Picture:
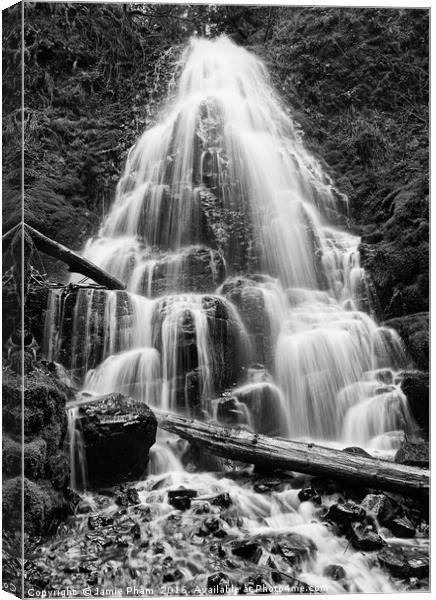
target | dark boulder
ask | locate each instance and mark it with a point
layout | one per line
(266, 407)
(181, 499)
(405, 561)
(414, 454)
(402, 527)
(414, 330)
(415, 384)
(379, 506)
(117, 435)
(345, 514)
(248, 551)
(364, 538)
(309, 494)
(231, 412)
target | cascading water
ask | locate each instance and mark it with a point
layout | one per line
(295, 295)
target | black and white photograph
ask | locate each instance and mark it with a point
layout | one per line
(215, 318)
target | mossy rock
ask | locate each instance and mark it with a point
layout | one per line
(415, 331)
(35, 458)
(43, 506)
(11, 457)
(45, 398)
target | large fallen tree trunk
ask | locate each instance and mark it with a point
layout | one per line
(278, 453)
(75, 262)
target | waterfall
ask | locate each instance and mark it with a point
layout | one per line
(226, 163)
(245, 302)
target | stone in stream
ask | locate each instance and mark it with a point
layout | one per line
(379, 506)
(248, 551)
(415, 454)
(415, 384)
(311, 494)
(295, 548)
(335, 572)
(127, 497)
(405, 561)
(117, 434)
(218, 583)
(402, 527)
(181, 499)
(364, 538)
(344, 514)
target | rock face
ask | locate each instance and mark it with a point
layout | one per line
(197, 269)
(46, 467)
(414, 454)
(414, 330)
(415, 385)
(202, 331)
(250, 302)
(117, 435)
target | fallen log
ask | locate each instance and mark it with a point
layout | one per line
(75, 262)
(278, 453)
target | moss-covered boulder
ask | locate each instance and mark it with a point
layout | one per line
(415, 332)
(117, 434)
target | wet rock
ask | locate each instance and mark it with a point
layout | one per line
(344, 514)
(118, 433)
(231, 412)
(181, 499)
(413, 453)
(196, 269)
(365, 538)
(218, 583)
(402, 527)
(295, 548)
(127, 497)
(414, 330)
(222, 500)
(415, 384)
(307, 494)
(227, 344)
(379, 506)
(96, 521)
(212, 526)
(266, 407)
(335, 572)
(245, 294)
(248, 551)
(267, 485)
(405, 561)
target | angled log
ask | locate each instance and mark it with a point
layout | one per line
(278, 453)
(75, 262)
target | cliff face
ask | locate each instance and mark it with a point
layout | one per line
(356, 80)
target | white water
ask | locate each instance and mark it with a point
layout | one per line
(227, 130)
